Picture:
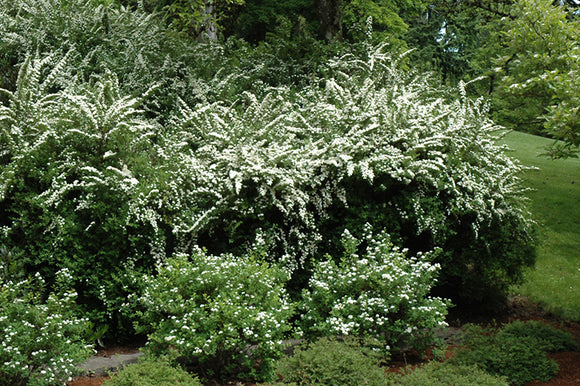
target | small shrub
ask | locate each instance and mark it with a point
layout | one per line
(152, 372)
(224, 314)
(332, 362)
(437, 373)
(41, 342)
(517, 351)
(383, 295)
(552, 339)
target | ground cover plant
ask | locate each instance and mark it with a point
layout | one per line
(517, 351)
(555, 279)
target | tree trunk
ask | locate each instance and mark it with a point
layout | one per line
(209, 29)
(330, 17)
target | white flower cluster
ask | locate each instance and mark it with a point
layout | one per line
(291, 153)
(283, 162)
(383, 295)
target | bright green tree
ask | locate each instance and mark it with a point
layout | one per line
(525, 51)
(539, 88)
(388, 18)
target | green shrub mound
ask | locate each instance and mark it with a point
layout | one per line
(329, 361)
(222, 314)
(447, 374)
(549, 338)
(518, 351)
(152, 372)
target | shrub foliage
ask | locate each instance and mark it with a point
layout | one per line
(332, 362)
(152, 372)
(72, 160)
(382, 295)
(225, 315)
(42, 342)
(448, 374)
(517, 352)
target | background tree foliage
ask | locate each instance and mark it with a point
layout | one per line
(539, 88)
(198, 19)
(454, 39)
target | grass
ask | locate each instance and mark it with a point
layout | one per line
(555, 204)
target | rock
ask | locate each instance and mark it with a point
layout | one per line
(101, 365)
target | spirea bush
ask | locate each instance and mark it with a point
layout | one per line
(225, 314)
(41, 342)
(135, 45)
(367, 143)
(71, 160)
(100, 37)
(383, 295)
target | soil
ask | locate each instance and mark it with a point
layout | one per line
(518, 308)
(98, 379)
(88, 381)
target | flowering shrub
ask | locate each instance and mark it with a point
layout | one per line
(369, 143)
(41, 343)
(226, 314)
(100, 37)
(105, 176)
(382, 295)
(72, 162)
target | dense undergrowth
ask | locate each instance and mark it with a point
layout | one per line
(124, 150)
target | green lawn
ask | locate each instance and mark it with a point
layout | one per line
(555, 203)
